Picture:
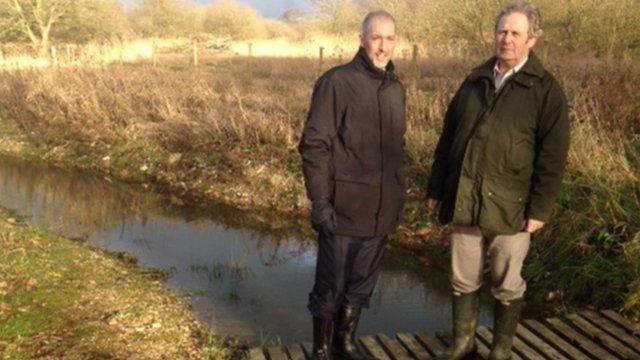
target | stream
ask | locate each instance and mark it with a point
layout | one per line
(243, 282)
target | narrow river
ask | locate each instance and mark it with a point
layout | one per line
(240, 281)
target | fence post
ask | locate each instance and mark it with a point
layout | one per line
(67, 48)
(249, 52)
(195, 54)
(414, 57)
(54, 55)
(154, 57)
(320, 59)
(414, 61)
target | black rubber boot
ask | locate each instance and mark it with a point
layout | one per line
(344, 341)
(465, 321)
(322, 329)
(505, 323)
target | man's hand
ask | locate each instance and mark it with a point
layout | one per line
(532, 225)
(432, 205)
(323, 217)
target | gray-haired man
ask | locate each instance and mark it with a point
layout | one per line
(352, 149)
(498, 168)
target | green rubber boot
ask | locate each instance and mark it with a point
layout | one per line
(505, 323)
(465, 321)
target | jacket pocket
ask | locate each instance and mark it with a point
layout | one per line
(355, 198)
(521, 153)
(502, 207)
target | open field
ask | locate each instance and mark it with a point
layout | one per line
(228, 131)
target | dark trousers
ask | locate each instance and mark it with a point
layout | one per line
(347, 270)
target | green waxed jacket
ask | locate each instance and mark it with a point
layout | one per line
(501, 156)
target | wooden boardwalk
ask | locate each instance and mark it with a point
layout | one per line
(586, 335)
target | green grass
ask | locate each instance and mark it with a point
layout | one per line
(61, 299)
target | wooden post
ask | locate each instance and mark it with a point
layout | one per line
(54, 55)
(414, 61)
(320, 58)
(195, 54)
(249, 52)
(154, 57)
(67, 48)
(414, 57)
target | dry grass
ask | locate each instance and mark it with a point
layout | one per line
(62, 300)
(235, 124)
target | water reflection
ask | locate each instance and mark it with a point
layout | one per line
(243, 282)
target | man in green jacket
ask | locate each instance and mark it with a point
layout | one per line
(497, 169)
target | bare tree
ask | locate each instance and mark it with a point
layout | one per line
(35, 18)
(338, 16)
(165, 18)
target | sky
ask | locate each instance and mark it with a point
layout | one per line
(270, 9)
(273, 8)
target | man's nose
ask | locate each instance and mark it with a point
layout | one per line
(384, 45)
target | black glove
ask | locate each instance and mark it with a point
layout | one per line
(323, 217)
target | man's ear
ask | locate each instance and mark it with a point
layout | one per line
(362, 40)
(531, 42)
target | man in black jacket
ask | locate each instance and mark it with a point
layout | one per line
(352, 150)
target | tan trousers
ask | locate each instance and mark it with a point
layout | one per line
(469, 248)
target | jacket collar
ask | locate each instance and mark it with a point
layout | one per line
(532, 67)
(363, 63)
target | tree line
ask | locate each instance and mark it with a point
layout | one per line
(605, 26)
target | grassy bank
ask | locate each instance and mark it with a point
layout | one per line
(63, 299)
(228, 131)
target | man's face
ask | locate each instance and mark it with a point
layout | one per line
(512, 41)
(379, 41)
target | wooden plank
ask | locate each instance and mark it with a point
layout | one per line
(393, 348)
(276, 353)
(257, 354)
(373, 348)
(555, 340)
(608, 326)
(602, 338)
(487, 336)
(620, 320)
(308, 349)
(538, 344)
(525, 351)
(432, 345)
(295, 352)
(571, 335)
(483, 349)
(411, 344)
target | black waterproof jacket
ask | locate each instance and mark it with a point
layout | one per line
(352, 146)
